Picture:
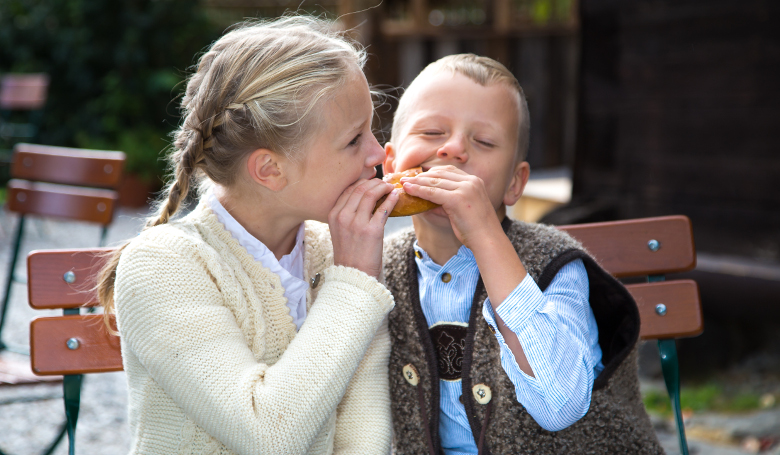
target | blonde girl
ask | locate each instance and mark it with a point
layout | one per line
(245, 328)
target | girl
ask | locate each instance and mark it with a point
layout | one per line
(243, 329)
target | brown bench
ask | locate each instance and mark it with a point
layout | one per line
(75, 344)
(651, 248)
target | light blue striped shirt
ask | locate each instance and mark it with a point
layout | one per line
(556, 329)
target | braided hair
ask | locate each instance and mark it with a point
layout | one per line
(258, 86)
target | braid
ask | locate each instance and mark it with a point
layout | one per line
(258, 86)
(187, 159)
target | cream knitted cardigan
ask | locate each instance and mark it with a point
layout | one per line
(214, 364)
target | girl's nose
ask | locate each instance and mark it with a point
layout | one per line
(376, 153)
(454, 149)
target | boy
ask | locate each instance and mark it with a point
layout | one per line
(506, 337)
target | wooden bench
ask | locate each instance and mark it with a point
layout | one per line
(57, 182)
(76, 344)
(651, 248)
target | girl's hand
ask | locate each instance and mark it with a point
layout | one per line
(463, 198)
(356, 230)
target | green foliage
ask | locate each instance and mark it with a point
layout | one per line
(115, 67)
(706, 397)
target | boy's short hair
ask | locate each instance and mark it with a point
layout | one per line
(482, 70)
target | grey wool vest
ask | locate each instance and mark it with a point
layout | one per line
(616, 422)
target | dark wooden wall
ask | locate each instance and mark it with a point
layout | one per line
(679, 112)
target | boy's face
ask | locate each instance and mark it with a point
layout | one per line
(452, 120)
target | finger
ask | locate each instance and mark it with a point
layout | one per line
(382, 212)
(343, 199)
(353, 202)
(430, 193)
(435, 181)
(440, 172)
(370, 198)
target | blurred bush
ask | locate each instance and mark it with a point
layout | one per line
(115, 66)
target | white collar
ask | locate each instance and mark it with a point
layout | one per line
(289, 267)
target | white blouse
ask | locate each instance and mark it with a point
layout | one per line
(289, 267)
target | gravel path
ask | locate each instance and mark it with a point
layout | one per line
(31, 415)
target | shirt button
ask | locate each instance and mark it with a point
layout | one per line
(418, 254)
(446, 277)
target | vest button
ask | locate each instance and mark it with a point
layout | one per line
(482, 393)
(418, 254)
(492, 329)
(446, 277)
(411, 375)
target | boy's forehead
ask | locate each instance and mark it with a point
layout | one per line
(445, 87)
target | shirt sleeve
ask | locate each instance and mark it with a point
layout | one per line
(558, 333)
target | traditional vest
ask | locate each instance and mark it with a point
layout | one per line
(616, 422)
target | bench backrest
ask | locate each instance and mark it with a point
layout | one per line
(65, 182)
(652, 248)
(66, 279)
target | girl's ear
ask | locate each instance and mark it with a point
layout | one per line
(266, 168)
(517, 183)
(388, 165)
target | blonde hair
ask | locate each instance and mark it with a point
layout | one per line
(482, 70)
(258, 86)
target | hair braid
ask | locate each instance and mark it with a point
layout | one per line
(257, 86)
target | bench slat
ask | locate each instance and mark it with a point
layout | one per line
(46, 199)
(98, 351)
(683, 310)
(68, 166)
(46, 286)
(621, 247)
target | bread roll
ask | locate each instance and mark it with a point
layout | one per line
(407, 204)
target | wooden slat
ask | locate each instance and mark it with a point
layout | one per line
(98, 351)
(68, 165)
(46, 199)
(23, 91)
(621, 247)
(46, 286)
(683, 316)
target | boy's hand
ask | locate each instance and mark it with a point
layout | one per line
(463, 198)
(356, 230)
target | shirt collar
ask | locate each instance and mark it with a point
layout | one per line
(255, 247)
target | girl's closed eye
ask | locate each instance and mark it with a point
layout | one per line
(355, 140)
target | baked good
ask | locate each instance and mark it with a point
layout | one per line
(407, 204)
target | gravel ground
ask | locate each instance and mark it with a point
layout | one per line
(30, 416)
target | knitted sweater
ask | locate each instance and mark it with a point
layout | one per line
(615, 423)
(213, 361)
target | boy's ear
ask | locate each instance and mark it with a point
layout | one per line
(517, 184)
(266, 168)
(388, 166)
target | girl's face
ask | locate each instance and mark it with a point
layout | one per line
(342, 150)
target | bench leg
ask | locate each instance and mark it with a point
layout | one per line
(670, 367)
(10, 281)
(71, 385)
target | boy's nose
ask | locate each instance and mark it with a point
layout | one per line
(454, 149)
